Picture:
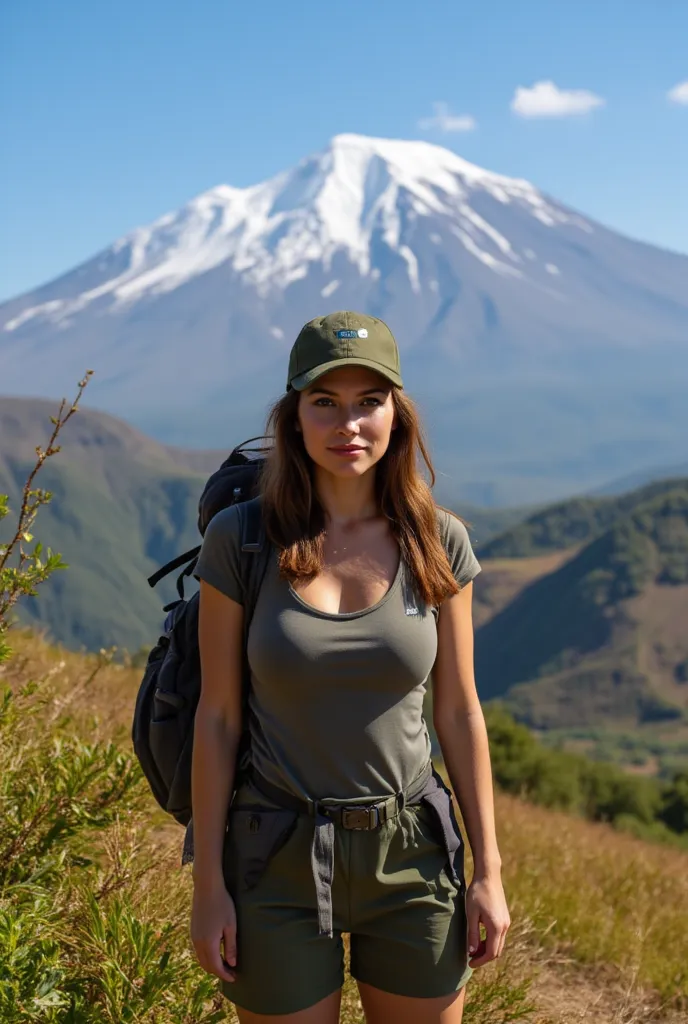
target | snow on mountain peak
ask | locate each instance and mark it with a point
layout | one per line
(416, 160)
(332, 201)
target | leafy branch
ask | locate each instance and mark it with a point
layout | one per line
(31, 566)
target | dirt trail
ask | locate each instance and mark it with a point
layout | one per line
(567, 993)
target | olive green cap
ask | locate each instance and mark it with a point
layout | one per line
(343, 339)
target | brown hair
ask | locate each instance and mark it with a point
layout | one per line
(295, 519)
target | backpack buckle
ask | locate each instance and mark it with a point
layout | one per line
(360, 818)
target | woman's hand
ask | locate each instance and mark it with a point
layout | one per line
(486, 904)
(213, 930)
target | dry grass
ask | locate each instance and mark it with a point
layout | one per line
(600, 919)
(94, 690)
(600, 898)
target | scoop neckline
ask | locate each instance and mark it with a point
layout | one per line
(361, 611)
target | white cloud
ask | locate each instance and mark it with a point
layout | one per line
(679, 94)
(545, 99)
(446, 121)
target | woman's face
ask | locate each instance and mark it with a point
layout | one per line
(346, 418)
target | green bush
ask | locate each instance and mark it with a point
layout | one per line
(674, 810)
(84, 937)
(32, 969)
(55, 791)
(595, 789)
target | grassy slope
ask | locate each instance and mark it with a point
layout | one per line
(593, 911)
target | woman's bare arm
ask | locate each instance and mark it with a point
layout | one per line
(460, 726)
(217, 730)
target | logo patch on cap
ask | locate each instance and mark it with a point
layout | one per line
(362, 333)
(348, 334)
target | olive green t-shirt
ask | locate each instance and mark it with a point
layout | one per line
(336, 699)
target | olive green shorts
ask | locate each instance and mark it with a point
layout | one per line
(392, 891)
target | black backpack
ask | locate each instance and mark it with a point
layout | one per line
(162, 730)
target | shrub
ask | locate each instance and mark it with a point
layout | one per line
(674, 809)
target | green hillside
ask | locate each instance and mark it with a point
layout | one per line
(112, 538)
(570, 523)
(122, 505)
(571, 649)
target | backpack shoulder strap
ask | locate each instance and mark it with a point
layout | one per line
(255, 553)
(252, 530)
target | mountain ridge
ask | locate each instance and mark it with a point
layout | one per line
(25, 423)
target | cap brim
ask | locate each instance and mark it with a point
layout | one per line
(303, 380)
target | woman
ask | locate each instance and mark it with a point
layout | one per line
(341, 824)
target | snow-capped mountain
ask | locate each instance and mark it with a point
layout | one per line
(504, 302)
(336, 202)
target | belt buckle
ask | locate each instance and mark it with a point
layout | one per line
(360, 818)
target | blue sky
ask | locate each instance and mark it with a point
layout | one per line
(115, 113)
